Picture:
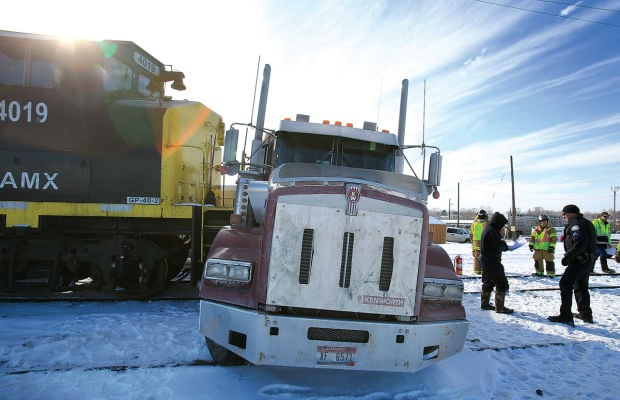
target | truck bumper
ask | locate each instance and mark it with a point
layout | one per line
(298, 341)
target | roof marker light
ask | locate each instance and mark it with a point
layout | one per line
(349, 125)
(325, 122)
(338, 123)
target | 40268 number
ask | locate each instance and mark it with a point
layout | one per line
(14, 111)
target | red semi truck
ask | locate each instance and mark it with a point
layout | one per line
(327, 261)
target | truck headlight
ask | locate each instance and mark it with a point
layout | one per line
(443, 289)
(228, 270)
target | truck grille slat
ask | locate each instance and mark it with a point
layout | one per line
(387, 264)
(307, 250)
(347, 258)
(338, 335)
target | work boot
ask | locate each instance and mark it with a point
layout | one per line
(551, 269)
(584, 317)
(485, 299)
(539, 269)
(609, 271)
(499, 304)
(477, 269)
(563, 319)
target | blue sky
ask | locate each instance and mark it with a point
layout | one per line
(500, 81)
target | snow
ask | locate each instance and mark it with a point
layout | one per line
(147, 350)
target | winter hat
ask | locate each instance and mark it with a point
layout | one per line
(498, 220)
(571, 208)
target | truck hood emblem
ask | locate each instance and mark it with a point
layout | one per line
(352, 195)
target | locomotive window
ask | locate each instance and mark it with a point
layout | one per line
(42, 68)
(12, 65)
(119, 76)
(143, 81)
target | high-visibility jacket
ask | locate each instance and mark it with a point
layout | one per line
(475, 233)
(602, 232)
(476, 228)
(543, 238)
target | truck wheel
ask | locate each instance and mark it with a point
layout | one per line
(222, 355)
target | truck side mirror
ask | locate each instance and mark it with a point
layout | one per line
(230, 145)
(434, 170)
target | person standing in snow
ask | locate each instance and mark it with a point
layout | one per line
(475, 233)
(579, 259)
(603, 240)
(493, 275)
(542, 244)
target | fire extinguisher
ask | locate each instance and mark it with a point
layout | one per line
(458, 265)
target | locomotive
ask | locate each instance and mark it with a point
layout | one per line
(327, 261)
(100, 170)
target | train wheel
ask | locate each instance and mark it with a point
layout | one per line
(176, 249)
(158, 277)
(4, 275)
(222, 355)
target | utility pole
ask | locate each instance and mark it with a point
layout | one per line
(458, 204)
(513, 228)
(449, 211)
(613, 221)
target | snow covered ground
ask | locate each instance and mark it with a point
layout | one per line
(148, 350)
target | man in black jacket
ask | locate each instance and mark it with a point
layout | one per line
(579, 258)
(493, 274)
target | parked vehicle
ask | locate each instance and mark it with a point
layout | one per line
(327, 262)
(459, 235)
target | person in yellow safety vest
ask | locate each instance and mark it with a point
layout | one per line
(603, 240)
(617, 257)
(475, 235)
(542, 244)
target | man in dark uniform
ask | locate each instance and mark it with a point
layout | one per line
(579, 259)
(493, 275)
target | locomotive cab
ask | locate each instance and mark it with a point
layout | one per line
(98, 165)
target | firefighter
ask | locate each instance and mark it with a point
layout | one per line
(542, 244)
(579, 258)
(603, 240)
(475, 235)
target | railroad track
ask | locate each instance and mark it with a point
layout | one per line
(469, 277)
(112, 368)
(547, 289)
(183, 290)
(175, 290)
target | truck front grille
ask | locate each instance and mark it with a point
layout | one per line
(387, 264)
(338, 335)
(307, 250)
(347, 259)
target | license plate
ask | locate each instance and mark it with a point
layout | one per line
(333, 355)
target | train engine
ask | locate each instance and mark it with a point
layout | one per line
(98, 165)
(327, 261)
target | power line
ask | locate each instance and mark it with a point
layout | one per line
(579, 5)
(551, 14)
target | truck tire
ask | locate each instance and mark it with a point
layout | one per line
(222, 355)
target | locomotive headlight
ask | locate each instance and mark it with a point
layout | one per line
(228, 270)
(443, 289)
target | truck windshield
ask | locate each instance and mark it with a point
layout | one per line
(329, 150)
